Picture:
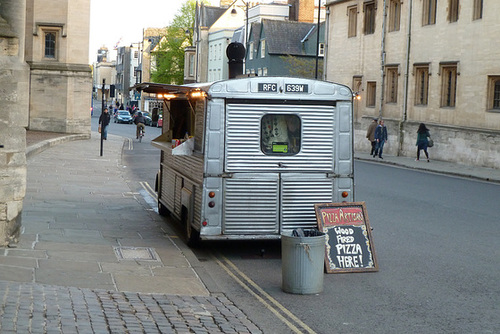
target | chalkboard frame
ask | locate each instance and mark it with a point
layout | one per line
(327, 228)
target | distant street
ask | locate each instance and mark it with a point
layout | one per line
(142, 158)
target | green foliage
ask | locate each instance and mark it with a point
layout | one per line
(170, 52)
(303, 67)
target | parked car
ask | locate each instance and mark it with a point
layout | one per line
(123, 116)
(147, 116)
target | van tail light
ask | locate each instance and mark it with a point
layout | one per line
(345, 194)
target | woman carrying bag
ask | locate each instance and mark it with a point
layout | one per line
(423, 141)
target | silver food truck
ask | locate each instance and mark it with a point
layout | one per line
(248, 158)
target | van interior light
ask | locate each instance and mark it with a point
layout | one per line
(198, 94)
(166, 96)
(169, 96)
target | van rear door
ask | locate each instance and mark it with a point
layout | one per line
(276, 174)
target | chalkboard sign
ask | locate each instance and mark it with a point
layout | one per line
(349, 243)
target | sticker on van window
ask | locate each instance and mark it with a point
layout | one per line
(280, 147)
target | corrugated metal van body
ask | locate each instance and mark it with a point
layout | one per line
(262, 194)
(243, 149)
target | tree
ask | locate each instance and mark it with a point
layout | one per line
(169, 54)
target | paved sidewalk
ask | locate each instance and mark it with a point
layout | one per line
(436, 166)
(94, 257)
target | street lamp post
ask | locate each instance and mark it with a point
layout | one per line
(245, 36)
(102, 111)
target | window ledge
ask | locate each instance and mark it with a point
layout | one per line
(62, 26)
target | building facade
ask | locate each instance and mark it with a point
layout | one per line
(103, 70)
(421, 61)
(56, 49)
(216, 27)
(127, 74)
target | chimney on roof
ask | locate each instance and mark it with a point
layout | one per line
(225, 3)
(302, 10)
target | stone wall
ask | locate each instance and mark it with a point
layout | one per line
(60, 96)
(14, 83)
(468, 146)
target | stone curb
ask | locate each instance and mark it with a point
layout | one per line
(433, 169)
(45, 144)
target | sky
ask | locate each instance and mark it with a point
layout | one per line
(113, 21)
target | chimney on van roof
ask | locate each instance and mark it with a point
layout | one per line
(236, 53)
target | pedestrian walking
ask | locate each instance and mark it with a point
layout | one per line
(380, 138)
(104, 120)
(423, 136)
(370, 135)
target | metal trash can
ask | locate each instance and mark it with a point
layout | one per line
(302, 261)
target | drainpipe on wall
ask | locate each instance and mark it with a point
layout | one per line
(382, 62)
(404, 115)
(325, 56)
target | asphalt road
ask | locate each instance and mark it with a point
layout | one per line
(437, 243)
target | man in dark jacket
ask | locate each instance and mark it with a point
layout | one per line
(380, 138)
(370, 135)
(139, 121)
(104, 122)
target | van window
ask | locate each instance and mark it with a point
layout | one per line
(280, 134)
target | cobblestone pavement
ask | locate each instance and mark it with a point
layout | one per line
(36, 308)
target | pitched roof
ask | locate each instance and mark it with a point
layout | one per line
(285, 37)
(209, 14)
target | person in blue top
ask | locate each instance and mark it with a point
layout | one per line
(380, 139)
(422, 141)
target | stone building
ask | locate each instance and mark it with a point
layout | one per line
(14, 106)
(56, 49)
(103, 69)
(46, 85)
(127, 75)
(421, 61)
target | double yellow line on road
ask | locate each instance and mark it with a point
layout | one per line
(149, 189)
(281, 312)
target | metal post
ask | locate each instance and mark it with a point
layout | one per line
(317, 39)
(102, 112)
(246, 36)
